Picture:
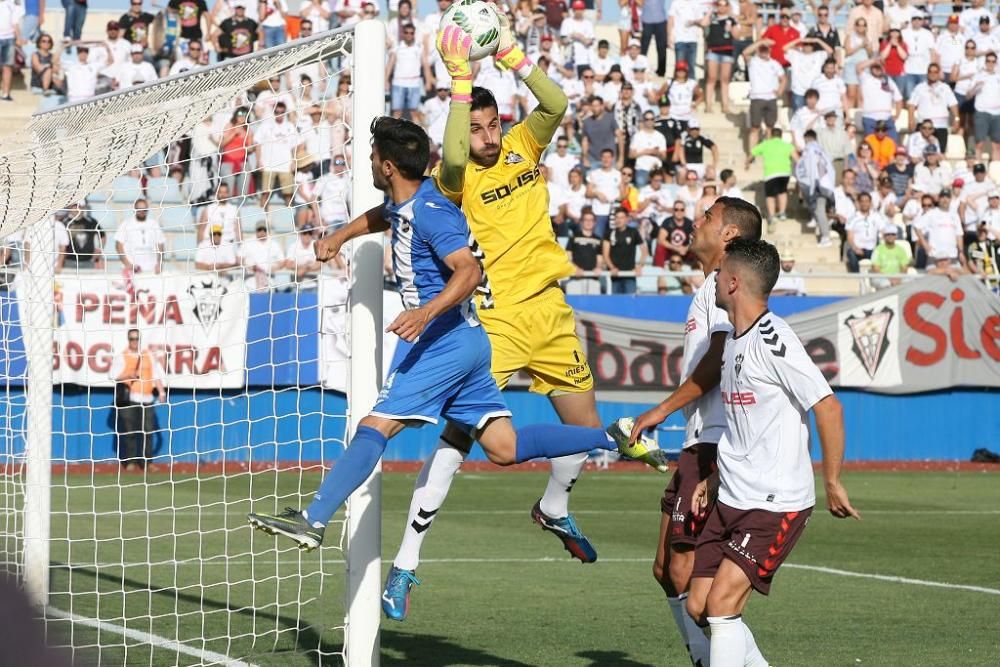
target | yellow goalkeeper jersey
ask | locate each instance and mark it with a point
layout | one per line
(507, 206)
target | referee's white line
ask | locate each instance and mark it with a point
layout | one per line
(566, 561)
(208, 657)
(893, 579)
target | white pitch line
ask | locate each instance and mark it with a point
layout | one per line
(488, 561)
(208, 657)
(893, 579)
(162, 513)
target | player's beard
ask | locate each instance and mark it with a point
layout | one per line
(487, 157)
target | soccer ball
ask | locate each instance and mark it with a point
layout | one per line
(478, 19)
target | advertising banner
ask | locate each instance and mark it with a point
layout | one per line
(922, 335)
(195, 326)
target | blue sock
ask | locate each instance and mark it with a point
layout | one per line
(348, 473)
(551, 441)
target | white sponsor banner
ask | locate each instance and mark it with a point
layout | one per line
(195, 326)
(335, 339)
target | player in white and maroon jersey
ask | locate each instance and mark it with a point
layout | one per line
(766, 489)
(705, 334)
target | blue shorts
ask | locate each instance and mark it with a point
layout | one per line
(7, 51)
(405, 98)
(449, 376)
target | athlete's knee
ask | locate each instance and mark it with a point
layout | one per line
(681, 565)
(696, 608)
(502, 454)
(723, 600)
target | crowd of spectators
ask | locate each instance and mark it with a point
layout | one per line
(631, 168)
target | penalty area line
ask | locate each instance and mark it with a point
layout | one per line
(208, 657)
(893, 579)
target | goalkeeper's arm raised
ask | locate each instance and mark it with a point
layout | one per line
(454, 45)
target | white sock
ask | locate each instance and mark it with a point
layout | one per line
(431, 489)
(565, 471)
(698, 644)
(729, 647)
(754, 657)
(677, 608)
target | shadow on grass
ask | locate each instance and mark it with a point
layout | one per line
(605, 658)
(308, 641)
(434, 651)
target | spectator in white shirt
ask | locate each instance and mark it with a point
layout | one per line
(276, 141)
(214, 254)
(933, 100)
(190, 60)
(136, 72)
(767, 84)
(920, 45)
(316, 134)
(115, 52)
(986, 88)
(263, 257)
(862, 232)
(81, 76)
(919, 143)
(949, 45)
(684, 29)
(932, 176)
(881, 100)
(601, 61)
(831, 88)
(984, 38)
(648, 148)
(807, 118)
(435, 113)
(140, 242)
(807, 56)
(402, 75)
(970, 16)
(559, 163)
(302, 258)
(579, 32)
(603, 189)
(633, 60)
(223, 214)
(787, 284)
(332, 196)
(10, 38)
(939, 233)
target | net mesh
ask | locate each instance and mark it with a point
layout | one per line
(184, 210)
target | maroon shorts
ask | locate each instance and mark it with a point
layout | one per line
(695, 464)
(756, 540)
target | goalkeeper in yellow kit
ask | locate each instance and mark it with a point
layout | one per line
(495, 178)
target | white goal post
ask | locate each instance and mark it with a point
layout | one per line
(64, 156)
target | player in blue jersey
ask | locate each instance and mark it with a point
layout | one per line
(447, 371)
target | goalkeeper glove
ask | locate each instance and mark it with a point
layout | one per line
(454, 45)
(509, 55)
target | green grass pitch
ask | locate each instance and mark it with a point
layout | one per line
(498, 591)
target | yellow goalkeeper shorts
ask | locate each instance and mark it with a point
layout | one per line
(539, 337)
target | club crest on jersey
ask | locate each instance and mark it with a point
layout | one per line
(512, 158)
(739, 365)
(869, 333)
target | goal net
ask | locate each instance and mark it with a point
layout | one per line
(172, 357)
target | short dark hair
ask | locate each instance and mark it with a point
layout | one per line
(743, 215)
(812, 92)
(760, 257)
(809, 134)
(725, 175)
(776, 132)
(483, 99)
(403, 143)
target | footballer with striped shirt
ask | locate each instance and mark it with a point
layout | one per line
(766, 489)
